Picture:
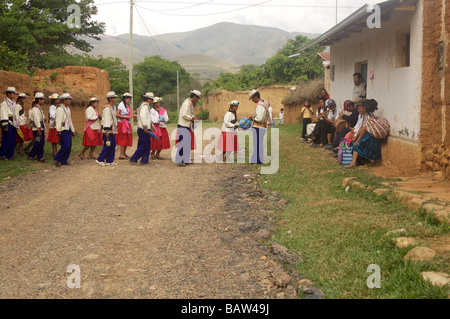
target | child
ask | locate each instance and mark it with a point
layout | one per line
(281, 117)
(307, 114)
(228, 141)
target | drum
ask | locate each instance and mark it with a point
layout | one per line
(245, 124)
(340, 123)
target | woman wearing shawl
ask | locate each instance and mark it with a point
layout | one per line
(228, 141)
(124, 133)
(159, 119)
(92, 136)
(52, 134)
(9, 125)
(65, 130)
(365, 145)
(37, 123)
(109, 128)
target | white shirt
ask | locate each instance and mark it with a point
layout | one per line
(8, 111)
(37, 118)
(52, 116)
(186, 114)
(91, 115)
(109, 120)
(155, 118)
(63, 119)
(227, 126)
(21, 118)
(332, 116)
(123, 111)
(144, 118)
(359, 124)
(281, 116)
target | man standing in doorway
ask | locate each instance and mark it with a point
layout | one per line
(359, 90)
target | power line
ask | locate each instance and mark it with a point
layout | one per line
(245, 4)
(151, 36)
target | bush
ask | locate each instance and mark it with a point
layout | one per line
(204, 114)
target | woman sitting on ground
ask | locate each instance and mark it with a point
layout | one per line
(365, 145)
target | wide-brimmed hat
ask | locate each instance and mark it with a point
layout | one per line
(111, 95)
(252, 94)
(157, 99)
(197, 93)
(66, 96)
(149, 95)
(23, 95)
(39, 95)
(11, 89)
(127, 95)
(54, 96)
(234, 102)
(93, 99)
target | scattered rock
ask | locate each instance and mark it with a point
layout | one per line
(278, 249)
(436, 278)
(246, 227)
(346, 181)
(420, 254)
(262, 234)
(272, 199)
(275, 194)
(381, 191)
(403, 242)
(305, 283)
(442, 216)
(281, 279)
(311, 292)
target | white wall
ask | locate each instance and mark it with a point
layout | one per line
(397, 90)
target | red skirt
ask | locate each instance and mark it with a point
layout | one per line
(228, 142)
(92, 139)
(27, 134)
(52, 136)
(193, 143)
(163, 144)
(123, 139)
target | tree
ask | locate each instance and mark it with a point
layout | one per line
(12, 61)
(39, 29)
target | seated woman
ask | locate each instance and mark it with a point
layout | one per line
(365, 145)
(325, 125)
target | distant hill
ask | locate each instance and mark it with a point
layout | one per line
(208, 51)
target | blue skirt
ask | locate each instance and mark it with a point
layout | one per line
(369, 148)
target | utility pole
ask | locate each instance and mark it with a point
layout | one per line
(131, 58)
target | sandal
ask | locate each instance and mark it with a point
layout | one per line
(159, 158)
(58, 164)
(127, 157)
(81, 156)
(90, 157)
(43, 160)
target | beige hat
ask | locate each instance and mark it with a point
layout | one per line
(54, 96)
(111, 95)
(66, 96)
(93, 99)
(157, 99)
(23, 95)
(198, 93)
(11, 89)
(127, 95)
(39, 95)
(149, 95)
(252, 94)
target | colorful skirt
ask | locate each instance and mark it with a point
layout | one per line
(27, 134)
(162, 144)
(52, 136)
(123, 139)
(228, 142)
(369, 148)
(95, 138)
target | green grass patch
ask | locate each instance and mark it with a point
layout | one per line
(340, 234)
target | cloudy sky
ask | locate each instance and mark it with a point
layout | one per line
(167, 16)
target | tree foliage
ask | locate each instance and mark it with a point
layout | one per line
(278, 69)
(39, 29)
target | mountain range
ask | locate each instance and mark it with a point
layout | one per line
(207, 51)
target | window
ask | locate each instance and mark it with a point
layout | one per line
(403, 50)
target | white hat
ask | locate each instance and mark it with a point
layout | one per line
(252, 94)
(127, 95)
(198, 93)
(93, 99)
(22, 95)
(234, 102)
(39, 95)
(149, 95)
(66, 96)
(157, 99)
(111, 95)
(54, 96)
(11, 89)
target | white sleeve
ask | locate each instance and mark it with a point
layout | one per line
(260, 114)
(154, 116)
(52, 112)
(90, 114)
(227, 120)
(59, 119)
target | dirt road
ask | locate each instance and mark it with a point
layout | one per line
(158, 231)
